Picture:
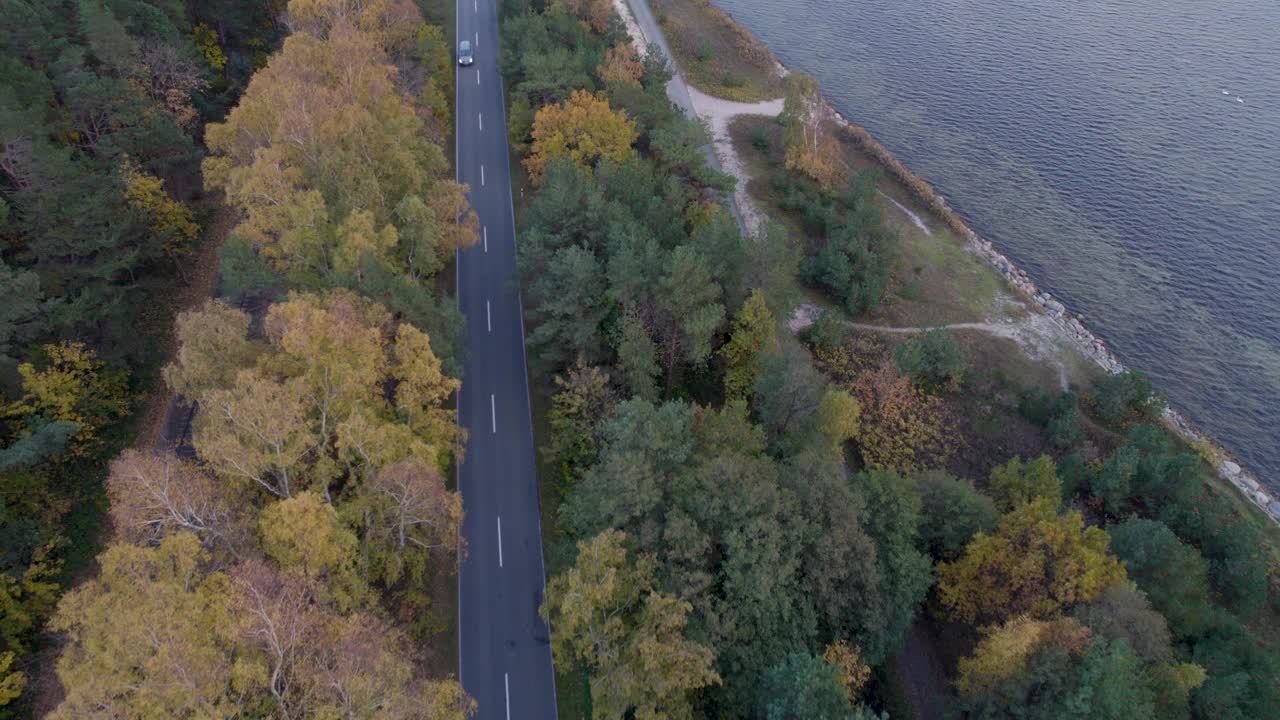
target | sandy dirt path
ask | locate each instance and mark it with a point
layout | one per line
(717, 113)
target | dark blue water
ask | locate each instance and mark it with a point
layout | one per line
(1126, 153)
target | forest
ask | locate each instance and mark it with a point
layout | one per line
(282, 559)
(746, 521)
(246, 206)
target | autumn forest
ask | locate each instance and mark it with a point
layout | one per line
(230, 354)
(279, 558)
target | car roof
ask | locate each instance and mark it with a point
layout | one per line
(465, 45)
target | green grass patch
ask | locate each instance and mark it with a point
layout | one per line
(558, 550)
(936, 281)
(716, 54)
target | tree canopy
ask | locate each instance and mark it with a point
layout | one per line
(285, 570)
(606, 614)
(583, 129)
(1036, 562)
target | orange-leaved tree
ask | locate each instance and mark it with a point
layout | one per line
(595, 13)
(903, 428)
(621, 65)
(582, 128)
(847, 661)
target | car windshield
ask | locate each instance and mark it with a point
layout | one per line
(465, 48)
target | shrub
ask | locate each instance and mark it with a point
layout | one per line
(933, 360)
(1059, 415)
(760, 139)
(903, 428)
(828, 332)
(1127, 397)
(953, 511)
(1015, 483)
(1064, 424)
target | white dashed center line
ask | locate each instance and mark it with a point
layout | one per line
(499, 541)
(482, 175)
(481, 118)
(506, 687)
(493, 413)
(485, 229)
(488, 318)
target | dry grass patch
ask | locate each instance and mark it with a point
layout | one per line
(716, 54)
(936, 281)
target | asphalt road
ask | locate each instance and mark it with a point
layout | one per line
(504, 648)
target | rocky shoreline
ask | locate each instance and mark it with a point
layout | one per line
(1071, 325)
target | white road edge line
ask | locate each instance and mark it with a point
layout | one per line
(493, 413)
(506, 687)
(457, 275)
(528, 399)
(488, 317)
(499, 541)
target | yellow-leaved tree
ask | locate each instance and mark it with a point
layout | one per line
(839, 415)
(810, 147)
(213, 346)
(1036, 563)
(158, 635)
(329, 163)
(338, 390)
(606, 615)
(1006, 649)
(852, 672)
(72, 387)
(754, 333)
(170, 221)
(583, 129)
(206, 41)
(173, 657)
(303, 534)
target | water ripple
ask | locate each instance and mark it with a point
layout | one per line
(1093, 142)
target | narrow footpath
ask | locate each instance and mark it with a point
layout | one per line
(717, 113)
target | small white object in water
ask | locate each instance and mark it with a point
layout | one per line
(1224, 92)
(1239, 99)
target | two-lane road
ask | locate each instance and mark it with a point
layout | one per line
(504, 648)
